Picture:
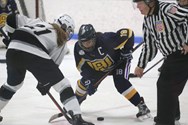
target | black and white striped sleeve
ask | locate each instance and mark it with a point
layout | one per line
(180, 15)
(149, 49)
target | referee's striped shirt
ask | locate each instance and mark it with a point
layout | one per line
(165, 30)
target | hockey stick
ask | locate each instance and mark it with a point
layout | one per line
(23, 8)
(55, 116)
(118, 63)
(133, 75)
(6, 38)
(153, 65)
(63, 111)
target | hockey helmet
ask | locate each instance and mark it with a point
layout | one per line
(66, 23)
(146, 1)
(87, 37)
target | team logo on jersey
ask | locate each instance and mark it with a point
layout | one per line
(104, 64)
(81, 52)
(160, 26)
(3, 18)
(173, 10)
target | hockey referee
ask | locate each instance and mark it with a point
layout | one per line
(165, 29)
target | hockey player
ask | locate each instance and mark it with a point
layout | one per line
(163, 25)
(40, 51)
(96, 54)
(6, 7)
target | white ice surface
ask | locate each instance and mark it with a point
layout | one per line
(28, 107)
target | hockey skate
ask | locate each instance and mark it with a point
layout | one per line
(143, 111)
(77, 120)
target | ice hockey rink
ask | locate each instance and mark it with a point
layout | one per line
(28, 107)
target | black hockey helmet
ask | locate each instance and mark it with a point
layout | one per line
(87, 34)
(149, 3)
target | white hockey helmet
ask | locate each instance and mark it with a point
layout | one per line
(66, 23)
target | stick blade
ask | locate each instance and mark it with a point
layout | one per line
(55, 116)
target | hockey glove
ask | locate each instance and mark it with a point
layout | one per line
(126, 55)
(90, 87)
(6, 42)
(43, 89)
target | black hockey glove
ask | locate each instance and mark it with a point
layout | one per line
(126, 55)
(43, 89)
(90, 87)
(6, 42)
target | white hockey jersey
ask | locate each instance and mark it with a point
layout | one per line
(21, 20)
(45, 33)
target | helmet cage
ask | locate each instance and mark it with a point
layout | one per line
(68, 29)
(67, 24)
(87, 34)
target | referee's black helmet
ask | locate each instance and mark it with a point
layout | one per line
(146, 1)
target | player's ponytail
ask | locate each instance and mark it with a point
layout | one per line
(61, 35)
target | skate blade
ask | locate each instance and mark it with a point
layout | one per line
(145, 117)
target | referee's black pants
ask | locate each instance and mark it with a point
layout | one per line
(170, 84)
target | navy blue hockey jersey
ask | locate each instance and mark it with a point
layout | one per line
(106, 53)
